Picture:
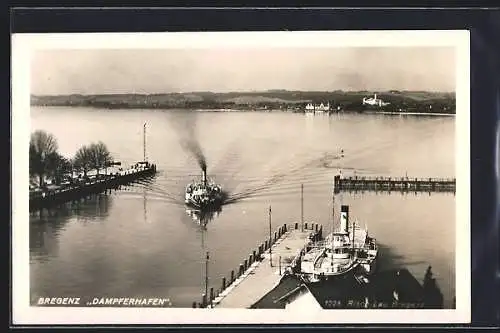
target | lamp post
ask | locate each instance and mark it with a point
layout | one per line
(270, 254)
(302, 207)
(206, 277)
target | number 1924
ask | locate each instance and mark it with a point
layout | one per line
(333, 303)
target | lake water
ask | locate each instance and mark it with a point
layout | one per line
(139, 241)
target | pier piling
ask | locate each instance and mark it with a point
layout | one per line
(394, 184)
(223, 283)
(232, 276)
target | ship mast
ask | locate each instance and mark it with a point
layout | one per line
(144, 142)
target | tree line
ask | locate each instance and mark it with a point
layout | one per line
(349, 101)
(45, 161)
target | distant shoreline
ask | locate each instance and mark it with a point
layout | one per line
(411, 113)
(396, 102)
(371, 112)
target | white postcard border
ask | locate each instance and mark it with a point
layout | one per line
(24, 44)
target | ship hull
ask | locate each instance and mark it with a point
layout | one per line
(346, 272)
(211, 205)
(207, 202)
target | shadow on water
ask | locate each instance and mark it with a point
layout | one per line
(46, 224)
(388, 259)
(432, 295)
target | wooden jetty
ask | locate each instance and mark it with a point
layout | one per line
(69, 193)
(263, 269)
(357, 183)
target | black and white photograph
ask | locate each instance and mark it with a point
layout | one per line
(253, 177)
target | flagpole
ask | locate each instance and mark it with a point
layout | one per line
(302, 207)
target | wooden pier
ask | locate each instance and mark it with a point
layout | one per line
(405, 184)
(69, 193)
(261, 281)
(263, 269)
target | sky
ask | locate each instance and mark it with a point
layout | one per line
(105, 71)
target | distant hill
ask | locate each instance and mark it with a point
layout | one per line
(246, 100)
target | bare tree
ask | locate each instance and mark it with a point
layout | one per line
(100, 156)
(42, 146)
(83, 159)
(58, 167)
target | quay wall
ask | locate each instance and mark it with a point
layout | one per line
(72, 193)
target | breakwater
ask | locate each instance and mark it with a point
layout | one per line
(69, 193)
(356, 183)
(263, 268)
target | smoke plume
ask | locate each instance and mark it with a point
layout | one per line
(185, 123)
(193, 146)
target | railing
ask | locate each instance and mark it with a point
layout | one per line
(392, 179)
(394, 183)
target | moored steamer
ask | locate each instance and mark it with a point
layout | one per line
(347, 251)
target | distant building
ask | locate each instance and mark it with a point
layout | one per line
(318, 108)
(374, 101)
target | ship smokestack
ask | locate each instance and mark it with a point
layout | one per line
(344, 218)
(204, 176)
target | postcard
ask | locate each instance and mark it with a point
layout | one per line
(241, 178)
